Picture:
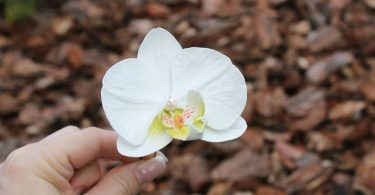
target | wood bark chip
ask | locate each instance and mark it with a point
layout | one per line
(368, 90)
(325, 38)
(320, 70)
(266, 30)
(309, 178)
(349, 109)
(370, 3)
(242, 165)
(221, 188)
(191, 168)
(365, 175)
(268, 190)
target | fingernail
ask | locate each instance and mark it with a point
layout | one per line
(152, 168)
(158, 153)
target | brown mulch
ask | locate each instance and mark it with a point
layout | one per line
(309, 66)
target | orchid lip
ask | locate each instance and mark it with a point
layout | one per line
(171, 105)
(183, 123)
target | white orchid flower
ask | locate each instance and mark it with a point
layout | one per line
(168, 92)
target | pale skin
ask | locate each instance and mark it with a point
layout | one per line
(69, 161)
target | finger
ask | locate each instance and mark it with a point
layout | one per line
(128, 179)
(77, 149)
(63, 131)
(85, 177)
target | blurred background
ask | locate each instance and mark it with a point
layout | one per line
(309, 67)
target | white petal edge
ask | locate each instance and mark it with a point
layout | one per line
(132, 97)
(156, 50)
(213, 75)
(151, 145)
(233, 132)
(158, 44)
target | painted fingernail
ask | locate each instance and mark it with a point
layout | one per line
(152, 168)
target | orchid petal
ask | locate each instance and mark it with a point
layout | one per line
(151, 145)
(158, 44)
(233, 132)
(132, 97)
(156, 50)
(219, 82)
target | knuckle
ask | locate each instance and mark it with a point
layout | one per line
(20, 159)
(72, 128)
(18, 154)
(96, 133)
(94, 130)
(125, 185)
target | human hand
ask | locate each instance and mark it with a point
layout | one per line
(68, 162)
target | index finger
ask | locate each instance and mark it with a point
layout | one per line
(79, 148)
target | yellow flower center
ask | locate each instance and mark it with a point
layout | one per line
(178, 122)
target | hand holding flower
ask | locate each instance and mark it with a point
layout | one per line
(69, 162)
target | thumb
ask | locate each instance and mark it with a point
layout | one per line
(128, 179)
